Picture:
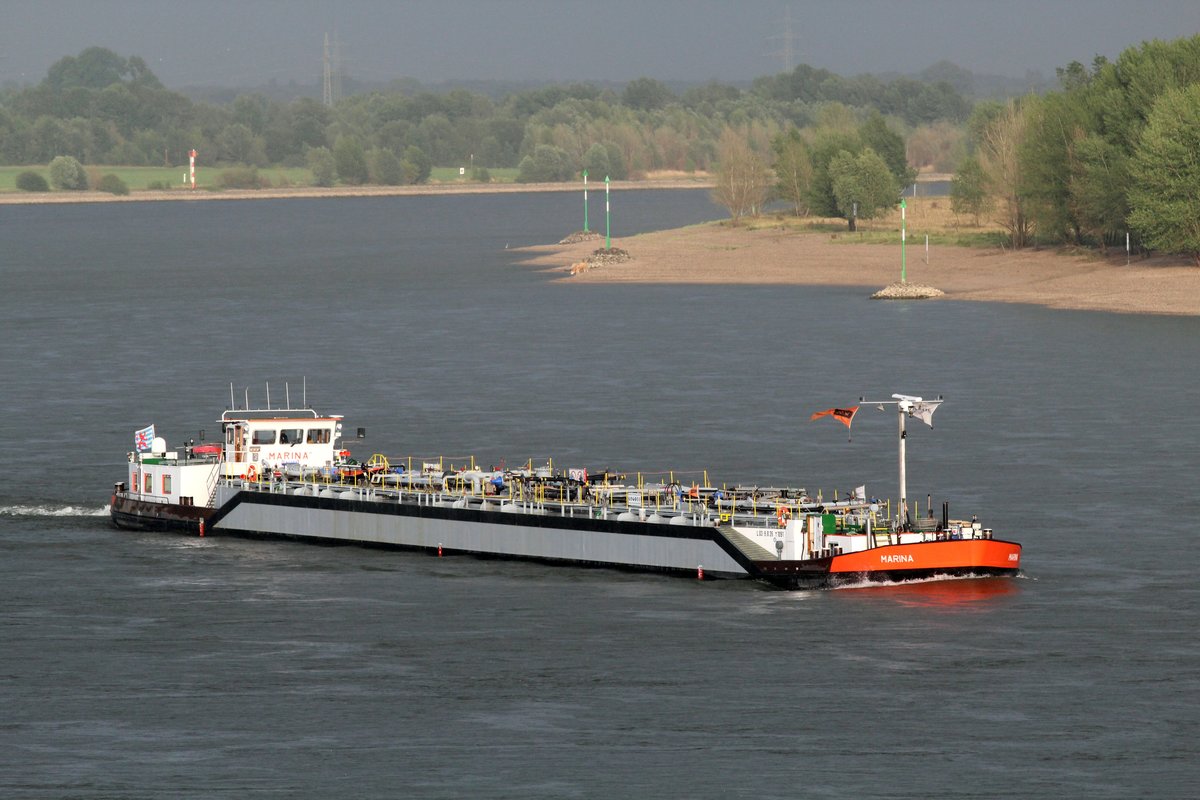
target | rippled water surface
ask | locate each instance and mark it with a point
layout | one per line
(151, 665)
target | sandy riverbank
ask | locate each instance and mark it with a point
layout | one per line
(720, 254)
(426, 189)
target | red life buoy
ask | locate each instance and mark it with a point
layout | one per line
(252, 473)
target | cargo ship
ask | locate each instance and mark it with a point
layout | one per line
(286, 473)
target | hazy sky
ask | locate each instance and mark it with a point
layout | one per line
(249, 42)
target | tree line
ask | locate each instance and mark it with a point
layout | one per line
(101, 108)
(1114, 152)
(1111, 152)
(1112, 156)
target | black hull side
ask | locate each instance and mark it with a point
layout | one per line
(137, 515)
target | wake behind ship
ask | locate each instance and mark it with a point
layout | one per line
(284, 473)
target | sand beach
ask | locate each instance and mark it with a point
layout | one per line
(720, 253)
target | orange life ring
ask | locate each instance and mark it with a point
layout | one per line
(252, 473)
(782, 514)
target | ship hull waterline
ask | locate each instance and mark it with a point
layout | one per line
(553, 539)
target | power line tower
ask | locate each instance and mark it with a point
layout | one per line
(331, 83)
(327, 77)
(338, 67)
(787, 42)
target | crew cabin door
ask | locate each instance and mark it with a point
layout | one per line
(235, 441)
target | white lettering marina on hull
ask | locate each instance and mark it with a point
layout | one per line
(896, 559)
(286, 455)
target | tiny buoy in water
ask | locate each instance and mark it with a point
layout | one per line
(201, 529)
(700, 572)
(439, 549)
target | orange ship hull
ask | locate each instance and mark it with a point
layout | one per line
(899, 562)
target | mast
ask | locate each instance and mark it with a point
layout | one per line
(906, 406)
(902, 438)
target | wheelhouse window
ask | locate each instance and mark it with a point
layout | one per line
(263, 436)
(318, 435)
(229, 435)
(291, 436)
(147, 483)
(166, 484)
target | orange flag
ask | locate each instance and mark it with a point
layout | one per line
(842, 415)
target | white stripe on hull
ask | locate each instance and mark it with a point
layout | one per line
(509, 540)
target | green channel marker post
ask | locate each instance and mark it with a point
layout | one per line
(903, 236)
(585, 227)
(607, 218)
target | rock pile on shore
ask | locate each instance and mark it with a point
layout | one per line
(580, 236)
(907, 291)
(599, 258)
(613, 255)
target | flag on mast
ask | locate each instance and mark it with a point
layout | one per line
(143, 439)
(842, 415)
(923, 410)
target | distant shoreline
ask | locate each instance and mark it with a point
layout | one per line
(318, 192)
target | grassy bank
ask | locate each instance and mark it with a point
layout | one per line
(450, 175)
(207, 177)
(139, 178)
(925, 216)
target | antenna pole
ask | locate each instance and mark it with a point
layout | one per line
(900, 407)
(287, 394)
(268, 395)
(304, 397)
(232, 404)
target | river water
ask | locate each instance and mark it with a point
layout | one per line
(152, 665)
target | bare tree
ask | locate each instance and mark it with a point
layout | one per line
(999, 157)
(743, 180)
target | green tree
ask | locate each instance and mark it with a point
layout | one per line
(384, 168)
(595, 161)
(1098, 188)
(240, 178)
(252, 111)
(1164, 196)
(618, 170)
(646, 94)
(238, 145)
(969, 191)
(67, 173)
(546, 163)
(321, 164)
(350, 160)
(888, 145)
(417, 166)
(94, 68)
(793, 170)
(863, 181)
(30, 181)
(112, 184)
(827, 145)
(1047, 154)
